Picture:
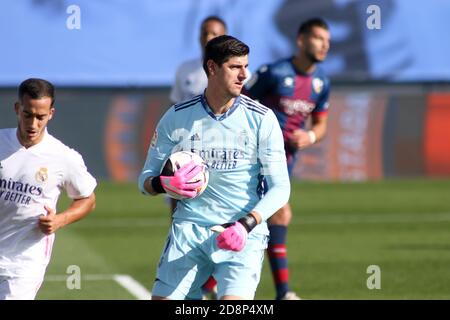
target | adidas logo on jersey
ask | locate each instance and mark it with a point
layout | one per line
(195, 137)
(1, 167)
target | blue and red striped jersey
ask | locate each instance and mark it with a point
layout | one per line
(290, 93)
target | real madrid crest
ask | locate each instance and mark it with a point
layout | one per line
(317, 85)
(41, 175)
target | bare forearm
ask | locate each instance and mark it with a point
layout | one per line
(319, 127)
(78, 210)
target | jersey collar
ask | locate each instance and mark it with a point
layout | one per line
(300, 72)
(223, 116)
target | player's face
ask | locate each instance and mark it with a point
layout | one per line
(210, 30)
(315, 44)
(232, 74)
(33, 116)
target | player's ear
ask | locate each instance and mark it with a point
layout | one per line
(211, 65)
(52, 111)
(17, 107)
(300, 40)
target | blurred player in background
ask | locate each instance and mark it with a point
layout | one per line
(190, 81)
(241, 140)
(294, 88)
(34, 168)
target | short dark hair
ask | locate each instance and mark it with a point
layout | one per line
(222, 48)
(306, 27)
(37, 89)
(214, 18)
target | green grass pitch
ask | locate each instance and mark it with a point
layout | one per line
(337, 232)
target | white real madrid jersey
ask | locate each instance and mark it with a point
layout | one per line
(29, 179)
(190, 81)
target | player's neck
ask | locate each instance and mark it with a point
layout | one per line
(303, 64)
(218, 102)
(28, 143)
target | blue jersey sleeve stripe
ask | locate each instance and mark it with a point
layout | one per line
(187, 103)
(186, 106)
(197, 97)
(251, 101)
(255, 104)
(255, 107)
(256, 110)
(176, 107)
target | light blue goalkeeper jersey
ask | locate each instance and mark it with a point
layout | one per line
(240, 147)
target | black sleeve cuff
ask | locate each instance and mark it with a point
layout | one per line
(156, 185)
(249, 222)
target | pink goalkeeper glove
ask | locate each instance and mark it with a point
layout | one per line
(233, 237)
(179, 182)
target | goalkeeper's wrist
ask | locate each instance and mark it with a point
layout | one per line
(156, 185)
(249, 222)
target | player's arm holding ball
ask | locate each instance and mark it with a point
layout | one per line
(177, 183)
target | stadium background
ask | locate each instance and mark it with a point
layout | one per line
(374, 192)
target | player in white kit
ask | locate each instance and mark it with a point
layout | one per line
(190, 78)
(34, 168)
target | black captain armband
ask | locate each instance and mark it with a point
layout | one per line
(249, 222)
(156, 185)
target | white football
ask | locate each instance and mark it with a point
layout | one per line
(179, 159)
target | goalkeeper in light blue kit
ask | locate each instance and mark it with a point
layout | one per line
(241, 141)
